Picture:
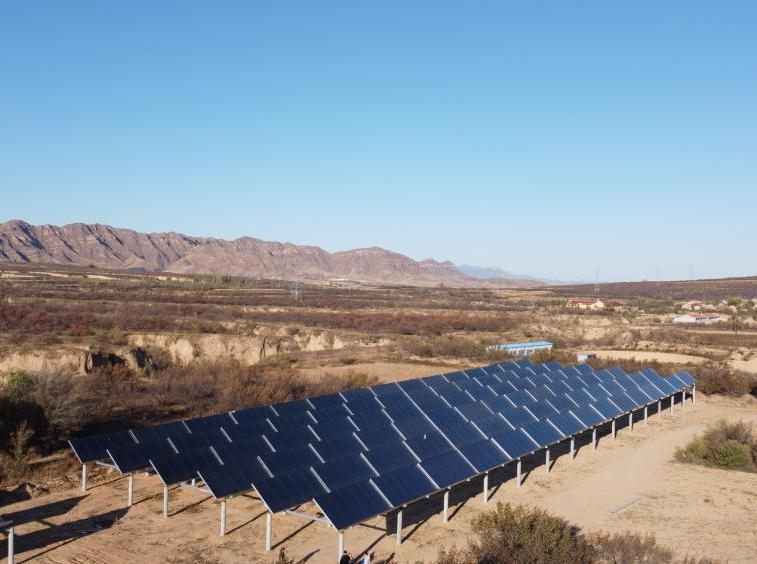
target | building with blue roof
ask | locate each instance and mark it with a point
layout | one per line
(524, 349)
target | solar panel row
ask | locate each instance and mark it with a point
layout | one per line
(362, 452)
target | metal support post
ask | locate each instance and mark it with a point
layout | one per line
(594, 438)
(613, 430)
(84, 477)
(683, 399)
(630, 422)
(399, 527)
(445, 516)
(693, 395)
(519, 471)
(341, 544)
(165, 502)
(11, 551)
(486, 487)
(130, 488)
(646, 422)
(572, 448)
(672, 401)
(659, 410)
(268, 518)
(546, 460)
(223, 517)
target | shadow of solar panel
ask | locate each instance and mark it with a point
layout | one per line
(638, 396)
(404, 485)
(566, 424)
(286, 460)
(333, 427)
(515, 443)
(445, 416)
(343, 471)
(88, 449)
(175, 468)
(352, 504)
(484, 455)
(518, 417)
(283, 422)
(561, 403)
(540, 409)
(331, 448)
(253, 414)
(389, 456)
(606, 408)
(373, 438)
(542, 393)
(543, 433)
(428, 445)
(491, 425)
(289, 489)
(291, 407)
(413, 427)
(475, 410)
(461, 434)
(448, 468)
(231, 479)
(581, 397)
(677, 383)
(624, 402)
(686, 378)
(329, 401)
(588, 416)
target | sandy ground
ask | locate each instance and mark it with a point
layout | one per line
(695, 510)
(651, 355)
(745, 365)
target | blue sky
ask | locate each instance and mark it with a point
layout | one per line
(548, 138)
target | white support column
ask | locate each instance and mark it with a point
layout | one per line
(341, 544)
(594, 438)
(445, 515)
(399, 527)
(486, 487)
(194, 482)
(546, 460)
(165, 502)
(659, 410)
(646, 421)
(672, 401)
(683, 399)
(613, 430)
(130, 490)
(11, 553)
(693, 395)
(268, 518)
(223, 517)
(630, 422)
(572, 448)
(84, 477)
(518, 480)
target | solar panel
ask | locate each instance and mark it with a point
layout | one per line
(566, 424)
(373, 438)
(461, 434)
(352, 504)
(289, 489)
(540, 409)
(175, 468)
(291, 407)
(638, 396)
(587, 415)
(326, 402)
(88, 449)
(543, 433)
(474, 410)
(492, 425)
(414, 426)
(231, 479)
(428, 445)
(606, 408)
(447, 469)
(676, 382)
(343, 471)
(484, 455)
(562, 403)
(390, 456)
(686, 378)
(334, 447)
(515, 443)
(624, 402)
(445, 417)
(288, 459)
(518, 417)
(404, 485)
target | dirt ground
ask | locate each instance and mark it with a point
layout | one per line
(694, 510)
(650, 355)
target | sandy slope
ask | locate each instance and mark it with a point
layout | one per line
(694, 510)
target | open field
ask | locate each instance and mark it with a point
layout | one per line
(694, 510)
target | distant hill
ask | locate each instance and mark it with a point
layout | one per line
(488, 273)
(81, 244)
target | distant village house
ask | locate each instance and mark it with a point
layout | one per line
(523, 349)
(697, 318)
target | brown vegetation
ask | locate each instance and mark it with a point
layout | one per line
(728, 445)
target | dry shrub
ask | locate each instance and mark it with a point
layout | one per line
(627, 547)
(720, 379)
(457, 347)
(728, 445)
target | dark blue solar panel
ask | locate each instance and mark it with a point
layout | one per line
(502, 388)
(519, 398)
(447, 469)
(289, 489)
(349, 505)
(343, 471)
(515, 443)
(542, 393)
(364, 405)
(249, 428)
(575, 383)
(457, 397)
(481, 393)
(211, 422)
(231, 479)
(371, 420)
(404, 485)
(687, 378)
(598, 391)
(253, 414)
(333, 426)
(330, 412)
(607, 408)
(624, 402)
(241, 451)
(428, 445)
(289, 459)
(390, 456)
(566, 424)
(183, 442)
(543, 433)
(291, 420)
(415, 385)
(581, 397)
(291, 407)
(131, 458)
(540, 409)
(677, 383)
(358, 394)
(492, 425)
(290, 436)
(445, 417)
(398, 412)
(456, 377)
(588, 416)
(561, 403)
(498, 404)
(431, 403)
(373, 438)
(611, 386)
(335, 447)
(638, 396)
(325, 402)
(484, 455)
(174, 468)
(518, 417)
(383, 390)
(433, 381)
(159, 433)
(414, 426)
(474, 410)
(520, 384)
(462, 434)
(652, 391)
(88, 449)
(552, 365)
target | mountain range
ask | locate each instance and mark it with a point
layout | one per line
(104, 246)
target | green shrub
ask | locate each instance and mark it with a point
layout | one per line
(728, 445)
(730, 455)
(628, 547)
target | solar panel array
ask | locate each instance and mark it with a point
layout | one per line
(363, 452)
